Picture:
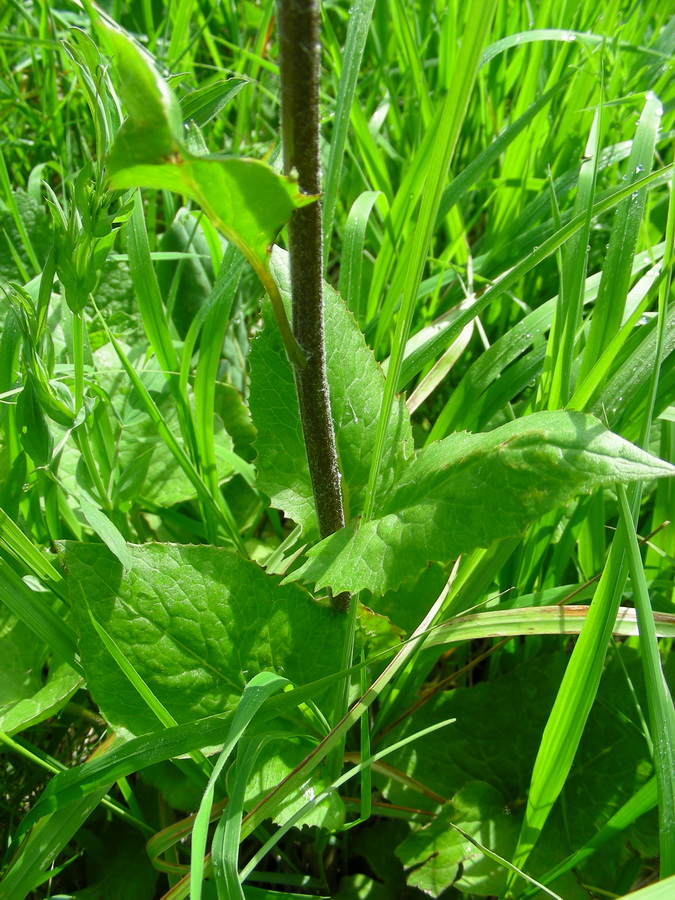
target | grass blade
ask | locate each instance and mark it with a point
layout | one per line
(452, 116)
(42, 846)
(575, 258)
(659, 700)
(424, 354)
(639, 804)
(34, 610)
(623, 241)
(259, 689)
(351, 261)
(357, 32)
(221, 510)
(572, 704)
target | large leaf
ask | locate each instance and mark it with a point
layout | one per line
(22, 659)
(470, 490)
(356, 386)
(612, 763)
(148, 469)
(437, 850)
(196, 623)
(277, 759)
(109, 850)
(244, 198)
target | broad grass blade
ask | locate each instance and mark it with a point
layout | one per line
(659, 700)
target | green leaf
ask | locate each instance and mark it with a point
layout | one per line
(276, 760)
(196, 623)
(22, 659)
(244, 198)
(46, 701)
(205, 103)
(149, 467)
(356, 389)
(39, 850)
(351, 260)
(659, 698)
(437, 850)
(34, 433)
(24, 699)
(25, 228)
(470, 490)
(448, 125)
(110, 849)
(622, 245)
(612, 762)
(360, 15)
(107, 531)
(661, 890)
(154, 128)
(37, 613)
(260, 688)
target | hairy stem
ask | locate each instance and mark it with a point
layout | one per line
(299, 46)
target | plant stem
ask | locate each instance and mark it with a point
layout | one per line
(299, 51)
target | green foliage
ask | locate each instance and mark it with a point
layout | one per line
(196, 623)
(356, 393)
(437, 509)
(501, 355)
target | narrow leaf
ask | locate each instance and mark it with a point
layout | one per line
(205, 103)
(659, 700)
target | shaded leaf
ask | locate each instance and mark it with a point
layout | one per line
(612, 762)
(276, 760)
(22, 660)
(437, 850)
(34, 434)
(111, 849)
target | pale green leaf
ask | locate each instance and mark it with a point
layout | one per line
(155, 125)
